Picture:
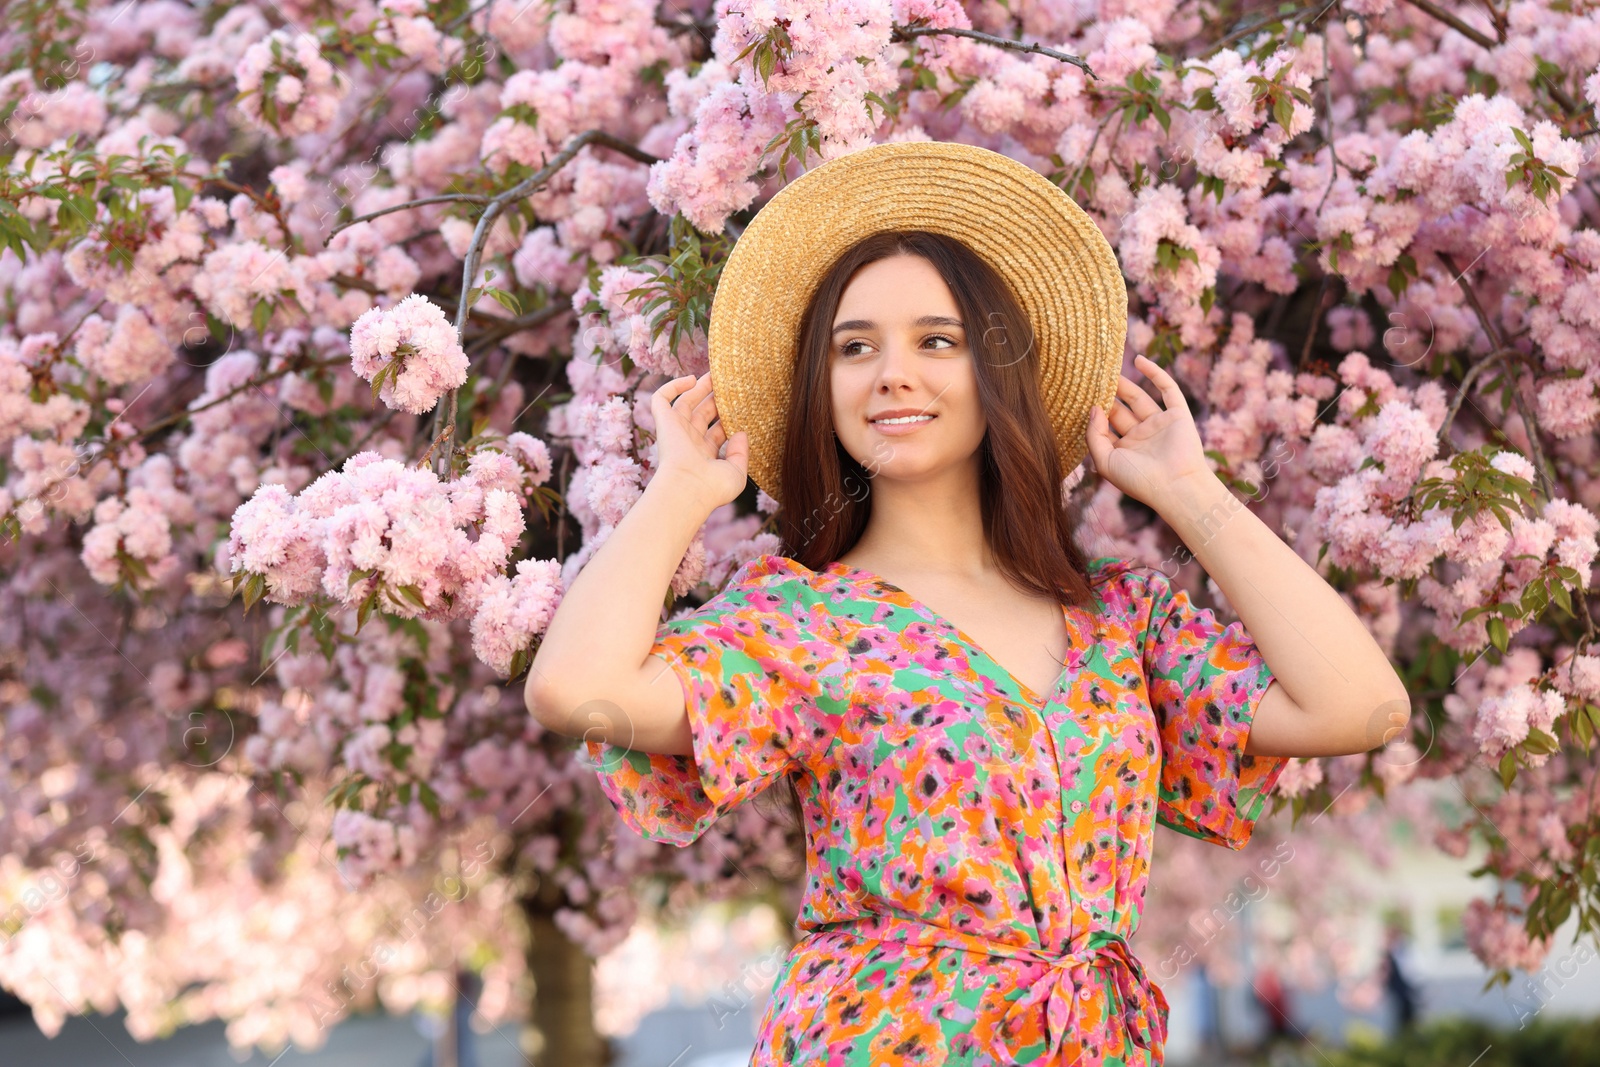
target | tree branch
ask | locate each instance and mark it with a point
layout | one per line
(1539, 464)
(350, 282)
(445, 414)
(1472, 298)
(1245, 31)
(1487, 43)
(507, 327)
(1477, 37)
(443, 198)
(677, 26)
(1333, 151)
(904, 35)
(1501, 349)
(178, 416)
(1465, 388)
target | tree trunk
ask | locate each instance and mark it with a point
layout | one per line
(561, 1030)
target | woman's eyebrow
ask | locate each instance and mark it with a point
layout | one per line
(924, 320)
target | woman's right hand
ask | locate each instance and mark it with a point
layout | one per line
(687, 444)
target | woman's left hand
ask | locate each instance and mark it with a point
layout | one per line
(1153, 448)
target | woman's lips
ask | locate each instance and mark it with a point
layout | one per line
(900, 429)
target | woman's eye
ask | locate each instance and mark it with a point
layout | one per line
(941, 337)
(849, 349)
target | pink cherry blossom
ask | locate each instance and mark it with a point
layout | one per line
(416, 338)
(286, 86)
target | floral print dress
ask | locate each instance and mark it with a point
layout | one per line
(976, 852)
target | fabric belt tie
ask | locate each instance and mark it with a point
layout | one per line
(1141, 1005)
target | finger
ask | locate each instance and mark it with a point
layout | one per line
(1171, 395)
(1139, 402)
(673, 389)
(692, 395)
(1121, 419)
(1099, 438)
(738, 452)
(716, 435)
(704, 412)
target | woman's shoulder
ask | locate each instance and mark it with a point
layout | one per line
(769, 568)
(1124, 585)
(775, 579)
(771, 577)
(772, 586)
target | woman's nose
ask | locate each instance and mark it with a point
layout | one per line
(895, 368)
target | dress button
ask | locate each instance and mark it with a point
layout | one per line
(1077, 806)
(1083, 994)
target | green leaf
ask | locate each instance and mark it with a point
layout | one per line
(1540, 743)
(1282, 111)
(1498, 633)
(506, 300)
(384, 373)
(1582, 730)
(366, 609)
(254, 587)
(261, 315)
(519, 664)
(430, 799)
(1508, 769)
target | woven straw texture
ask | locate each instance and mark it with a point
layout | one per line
(1053, 256)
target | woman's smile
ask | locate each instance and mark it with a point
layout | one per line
(900, 425)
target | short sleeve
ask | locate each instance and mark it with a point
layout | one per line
(765, 685)
(1205, 681)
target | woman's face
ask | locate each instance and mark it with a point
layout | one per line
(899, 347)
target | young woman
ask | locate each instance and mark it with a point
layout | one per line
(982, 726)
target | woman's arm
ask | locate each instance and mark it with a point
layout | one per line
(593, 676)
(1336, 691)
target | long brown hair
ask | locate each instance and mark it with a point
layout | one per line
(826, 493)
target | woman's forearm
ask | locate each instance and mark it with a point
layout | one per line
(602, 631)
(1347, 697)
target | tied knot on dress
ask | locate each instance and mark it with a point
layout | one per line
(1066, 992)
(1068, 989)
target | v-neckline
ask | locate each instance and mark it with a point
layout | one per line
(1027, 692)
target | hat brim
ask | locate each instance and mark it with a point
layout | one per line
(1050, 252)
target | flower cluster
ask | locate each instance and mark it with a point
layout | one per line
(379, 529)
(410, 353)
(286, 87)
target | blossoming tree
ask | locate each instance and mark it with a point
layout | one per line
(325, 359)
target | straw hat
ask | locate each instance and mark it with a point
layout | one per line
(1052, 255)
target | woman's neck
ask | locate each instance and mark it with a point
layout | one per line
(931, 525)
